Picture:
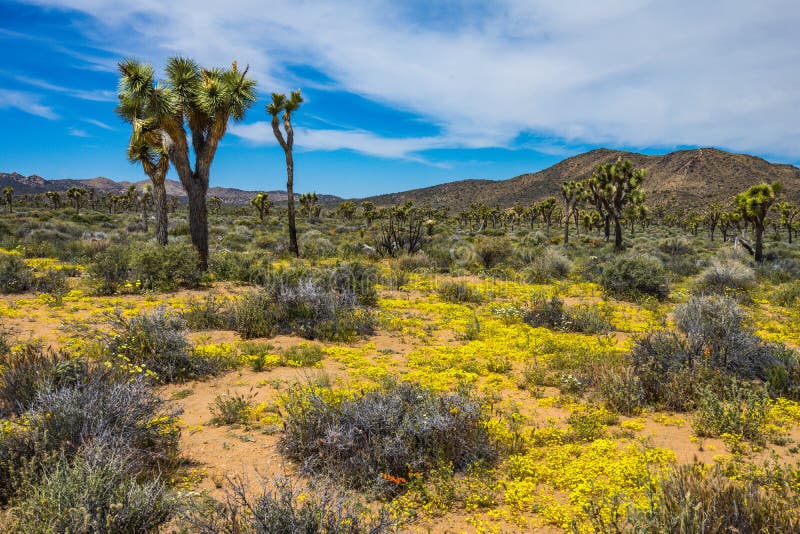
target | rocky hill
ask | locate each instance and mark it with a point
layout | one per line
(691, 177)
(36, 184)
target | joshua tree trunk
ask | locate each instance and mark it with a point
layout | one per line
(607, 228)
(566, 230)
(617, 234)
(160, 208)
(198, 221)
(290, 204)
(758, 230)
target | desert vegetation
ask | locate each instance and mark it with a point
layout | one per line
(598, 362)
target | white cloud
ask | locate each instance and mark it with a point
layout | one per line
(99, 124)
(26, 102)
(77, 132)
(625, 72)
(96, 95)
(362, 141)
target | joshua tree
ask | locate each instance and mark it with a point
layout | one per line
(571, 193)
(547, 208)
(368, 209)
(287, 106)
(262, 203)
(76, 194)
(8, 194)
(347, 209)
(147, 147)
(214, 204)
(754, 205)
(614, 186)
(193, 106)
(54, 198)
(788, 213)
(712, 219)
(308, 205)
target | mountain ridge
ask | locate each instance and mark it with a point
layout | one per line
(690, 177)
(33, 184)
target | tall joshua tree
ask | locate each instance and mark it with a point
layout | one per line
(287, 106)
(616, 185)
(193, 106)
(754, 205)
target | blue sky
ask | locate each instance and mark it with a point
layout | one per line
(409, 94)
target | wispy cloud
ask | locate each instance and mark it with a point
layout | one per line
(623, 72)
(360, 141)
(78, 132)
(27, 102)
(95, 95)
(99, 124)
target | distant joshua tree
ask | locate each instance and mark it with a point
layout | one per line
(788, 213)
(76, 194)
(214, 204)
(308, 205)
(615, 186)
(571, 193)
(754, 205)
(262, 203)
(54, 198)
(287, 106)
(368, 210)
(8, 195)
(347, 209)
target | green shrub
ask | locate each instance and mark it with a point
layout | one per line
(724, 276)
(283, 507)
(691, 499)
(738, 410)
(546, 265)
(357, 278)
(157, 342)
(635, 276)
(94, 410)
(622, 390)
(553, 314)
(96, 493)
(458, 292)
(253, 315)
(231, 409)
(492, 251)
(304, 308)
(245, 267)
(388, 432)
(164, 268)
(546, 313)
(303, 355)
(110, 269)
(15, 275)
(205, 313)
(720, 336)
(787, 294)
(32, 370)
